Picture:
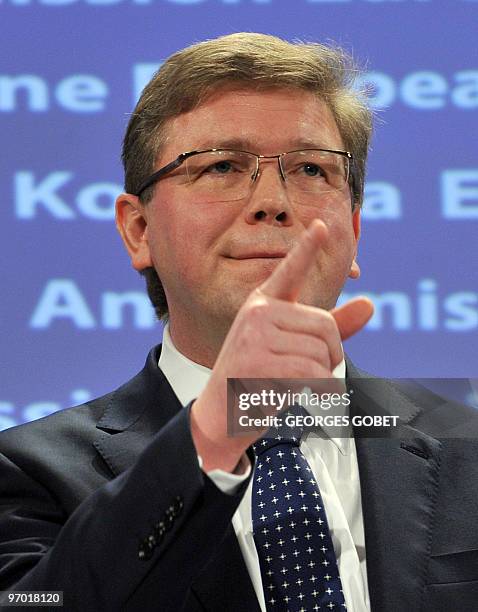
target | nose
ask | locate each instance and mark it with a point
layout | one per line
(269, 201)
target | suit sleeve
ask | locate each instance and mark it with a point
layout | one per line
(162, 521)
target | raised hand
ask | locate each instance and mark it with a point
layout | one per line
(273, 336)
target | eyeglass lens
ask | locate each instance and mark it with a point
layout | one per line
(227, 175)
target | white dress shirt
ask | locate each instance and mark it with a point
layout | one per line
(334, 464)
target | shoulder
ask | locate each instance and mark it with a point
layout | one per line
(75, 429)
(47, 430)
(60, 453)
(440, 415)
(416, 404)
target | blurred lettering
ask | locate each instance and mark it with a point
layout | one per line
(463, 308)
(62, 299)
(459, 194)
(78, 93)
(422, 90)
(113, 306)
(381, 201)
(426, 311)
(195, 2)
(142, 74)
(94, 201)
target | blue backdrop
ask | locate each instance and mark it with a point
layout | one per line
(75, 320)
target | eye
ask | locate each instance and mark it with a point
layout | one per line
(311, 169)
(220, 167)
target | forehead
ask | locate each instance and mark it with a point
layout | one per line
(265, 122)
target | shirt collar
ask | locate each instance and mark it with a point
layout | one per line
(188, 379)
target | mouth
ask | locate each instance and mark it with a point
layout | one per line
(260, 255)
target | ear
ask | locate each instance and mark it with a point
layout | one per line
(133, 227)
(354, 268)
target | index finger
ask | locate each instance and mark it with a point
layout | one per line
(287, 280)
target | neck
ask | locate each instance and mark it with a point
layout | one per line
(199, 342)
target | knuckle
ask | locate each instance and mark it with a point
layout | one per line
(321, 353)
(326, 319)
(331, 323)
(257, 310)
(326, 325)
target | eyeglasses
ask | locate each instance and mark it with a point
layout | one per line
(224, 175)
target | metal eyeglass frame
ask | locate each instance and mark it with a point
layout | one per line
(182, 157)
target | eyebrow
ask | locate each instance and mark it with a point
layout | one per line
(243, 144)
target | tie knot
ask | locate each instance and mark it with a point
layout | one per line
(289, 432)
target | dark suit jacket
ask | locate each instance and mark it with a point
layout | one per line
(106, 502)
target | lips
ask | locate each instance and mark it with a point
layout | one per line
(259, 246)
(260, 255)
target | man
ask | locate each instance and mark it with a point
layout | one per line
(244, 168)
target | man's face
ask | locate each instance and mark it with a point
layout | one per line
(210, 256)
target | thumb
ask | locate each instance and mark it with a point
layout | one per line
(352, 316)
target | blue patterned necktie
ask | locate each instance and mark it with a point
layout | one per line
(296, 555)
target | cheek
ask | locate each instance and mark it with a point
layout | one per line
(174, 249)
(338, 220)
(342, 244)
(339, 250)
(183, 237)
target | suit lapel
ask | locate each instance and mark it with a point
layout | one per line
(133, 414)
(398, 479)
